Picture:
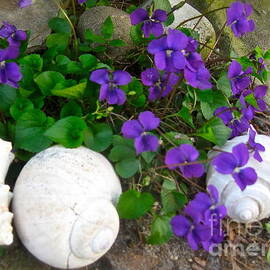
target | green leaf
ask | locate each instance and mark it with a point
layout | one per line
(59, 25)
(250, 99)
(20, 106)
(217, 100)
(7, 96)
(267, 227)
(98, 137)
(215, 131)
(223, 84)
(88, 61)
(107, 28)
(148, 156)
(267, 55)
(47, 81)
(127, 167)
(34, 61)
(72, 108)
(75, 91)
(117, 43)
(268, 256)
(136, 34)
(57, 40)
(133, 204)
(67, 131)
(185, 114)
(161, 230)
(30, 129)
(172, 200)
(165, 5)
(121, 152)
(90, 36)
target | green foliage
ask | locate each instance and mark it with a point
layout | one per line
(59, 41)
(7, 96)
(98, 137)
(59, 25)
(123, 153)
(161, 230)
(107, 28)
(30, 129)
(67, 131)
(133, 204)
(20, 106)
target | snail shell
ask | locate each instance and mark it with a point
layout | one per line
(6, 157)
(64, 206)
(253, 203)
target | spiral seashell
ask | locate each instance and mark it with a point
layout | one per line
(6, 157)
(64, 206)
(253, 203)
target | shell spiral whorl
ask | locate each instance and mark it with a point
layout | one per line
(68, 219)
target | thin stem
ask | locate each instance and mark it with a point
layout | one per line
(183, 164)
(199, 16)
(216, 42)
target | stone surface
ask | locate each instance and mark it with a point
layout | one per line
(34, 18)
(203, 25)
(94, 18)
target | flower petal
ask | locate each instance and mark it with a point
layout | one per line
(148, 120)
(241, 154)
(174, 156)
(234, 69)
(178, 60)
(150, 76)
(176, 40)
(139, 15)
(224, 163)
(159, 15)
(192, 171)
(121, 77)
(132, 129)
(245, 177)
(100, 76)
(180, 225)
(146, 143)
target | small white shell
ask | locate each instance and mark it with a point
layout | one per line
(6, 157)
(253, 203)
(63, 206)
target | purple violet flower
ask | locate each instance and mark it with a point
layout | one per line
(167, 51)
(259, 93)
(25, 3)
(237, 15)
(109, 82)
(230, 163)
(184, 153)
(238, 78)
(138, 130)
(255, 147)
(10, 74)
(151, 25)
(160, 85)
(81, 1)
(205, 228)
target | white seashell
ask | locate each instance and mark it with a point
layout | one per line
(64, 206)
(253, 203)
(6, 157)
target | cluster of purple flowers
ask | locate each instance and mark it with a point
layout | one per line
(139, 131)
(180, 157)
(9, 71)
(237, 18)
(202, 223)
(175, 52)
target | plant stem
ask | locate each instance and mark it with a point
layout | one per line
(199, 16)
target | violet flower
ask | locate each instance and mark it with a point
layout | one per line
(109, 82)
(259, 94)
(202, 225)
(10, 74)
(185, 153)
(151, 25)
(237, 17)
(138, 130)
(230, 163)
(167, 51)
(255, 147)
(25, 3)
(238, 78)
(160, 85)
